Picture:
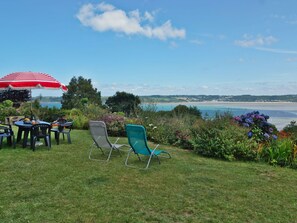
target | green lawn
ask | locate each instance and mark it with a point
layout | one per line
(63, 185)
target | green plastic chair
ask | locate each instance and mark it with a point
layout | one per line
(7, 132)
(138, 141)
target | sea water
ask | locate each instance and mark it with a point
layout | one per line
(280, 113)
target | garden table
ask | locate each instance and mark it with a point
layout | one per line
(25, 127)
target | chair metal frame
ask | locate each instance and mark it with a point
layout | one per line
(144, 148)
(101, 140)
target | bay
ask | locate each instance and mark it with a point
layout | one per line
(280, 113)
(51, 104)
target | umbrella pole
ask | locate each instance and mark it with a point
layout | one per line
(31, 104)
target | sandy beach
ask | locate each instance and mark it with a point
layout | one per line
(286, 106)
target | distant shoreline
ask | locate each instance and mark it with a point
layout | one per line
(289, 106)
(281, 113)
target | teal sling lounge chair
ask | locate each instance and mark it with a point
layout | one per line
(101, 141)
(137, 139)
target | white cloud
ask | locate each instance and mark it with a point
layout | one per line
(149, 16)
(289, 19)
(251, 41)
(272, 50)
(105, 17)
(259, 42)
(105, 7)
(231, 88)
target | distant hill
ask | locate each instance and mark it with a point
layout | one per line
(199, 98)
(227, 98)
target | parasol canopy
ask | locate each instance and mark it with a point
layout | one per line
(30, 80)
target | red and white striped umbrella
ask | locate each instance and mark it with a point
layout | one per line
(30, 80)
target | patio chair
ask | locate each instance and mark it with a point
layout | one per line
(138, 141)
(7, 132)
(40, 131)
(64, 128)
(101, 141)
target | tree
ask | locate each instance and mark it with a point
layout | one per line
(182, 110)
(80, 91)
(123, 102)
(16, 96)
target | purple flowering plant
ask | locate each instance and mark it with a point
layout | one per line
(260, 128)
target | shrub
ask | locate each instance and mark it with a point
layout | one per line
(80, 121)
(290, 131)
(220, 138)
(183, 110)
(259, 127)
(159, 131)
(94, 112)
(49, 114)
(281, 152)
(7, 109)
(115, 123)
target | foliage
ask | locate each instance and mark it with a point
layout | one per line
(124, 102)
(220, 138)
(94, 112)
(115, 123)
(7, 109)
(80, 121)
(49, 114)
(259, 127)
(30, 109)
(80, 92)
(182, 110)
(291, 128)
(291, 131)
(280, 152)
(17, 96)
(162, 127)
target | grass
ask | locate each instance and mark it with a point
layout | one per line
(63, 185)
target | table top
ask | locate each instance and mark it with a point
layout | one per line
(29, 124)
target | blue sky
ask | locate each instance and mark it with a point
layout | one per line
(149, 47)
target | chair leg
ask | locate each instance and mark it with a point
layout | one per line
(109, 155)
(13, 142)
(47, 142)
(149, 161)
(57, 136)
(68, 138)
(9, 140)
(33, 142)
(126, 162)
(1, 141)
(91, 149)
